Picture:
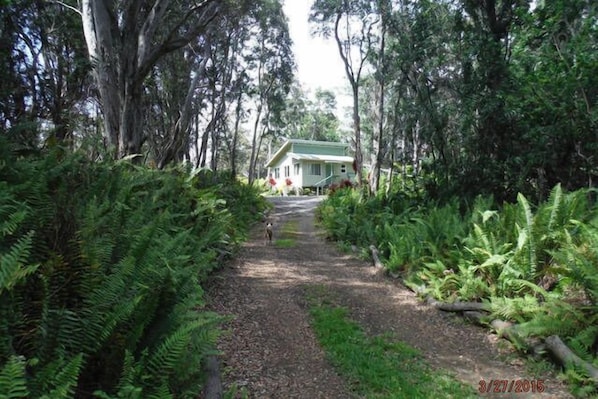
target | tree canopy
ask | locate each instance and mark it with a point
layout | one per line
(466, 97)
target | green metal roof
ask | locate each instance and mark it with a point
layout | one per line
(287, 146)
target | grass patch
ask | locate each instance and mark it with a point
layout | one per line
(376, 367)
(284, 243)
(288, 234)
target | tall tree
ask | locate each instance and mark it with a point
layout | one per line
(384, 9)
(272, 67)
(311, 119)
(351, 23)
(45, 72)
(125, 40)
(487, 26)
(555, 65)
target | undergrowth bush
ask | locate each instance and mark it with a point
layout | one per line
(100, 275)
(536, 265)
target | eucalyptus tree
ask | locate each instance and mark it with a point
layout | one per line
(408, 93)
(19, 94)
(432, 74)
(311, 118)
(173, 95)
(125, 40)
(44, 83)
(324, 123)
(271, 68)
(351, 23)
(384, 9)
(240, 116)
(295, 115)
(218, 83)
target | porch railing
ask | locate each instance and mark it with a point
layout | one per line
(320, 185)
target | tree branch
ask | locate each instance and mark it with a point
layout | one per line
(67, 6)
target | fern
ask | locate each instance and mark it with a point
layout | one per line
(12, 263)
(555, 318)
(65, 380)
(128, 385)
(555, 200)
(526, 238)
(519, 309)
(13, 383)
(165, 357)
(11, 215)
(585, 341)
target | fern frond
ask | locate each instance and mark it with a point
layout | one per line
(519, 309)
(161, 392)
(554, 318)
(163, 360)
(12, 263)
(65, 380)
(11, 216)
(127, 384)
(109, 305)
(529, 233)
(13, 383)
(584, 341)
(555, 199)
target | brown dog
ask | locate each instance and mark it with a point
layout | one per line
(268, 232)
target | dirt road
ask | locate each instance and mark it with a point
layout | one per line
(269, 348)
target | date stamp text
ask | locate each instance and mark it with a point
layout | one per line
(516, 386)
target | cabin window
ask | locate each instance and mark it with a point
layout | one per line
(287, 171)
(276, 173)
(343, 168)
(315, 169)
(297, 168)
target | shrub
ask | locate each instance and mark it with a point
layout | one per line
(534, 264)
(101, 271)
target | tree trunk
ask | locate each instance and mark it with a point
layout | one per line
(179, 134)
(353, 76)
(357, 134)
(203, 150)
(98, 36)
(131, 131)
(233, 150)
(458, 306)
(377, 137)
(124, 45)
(254, 140)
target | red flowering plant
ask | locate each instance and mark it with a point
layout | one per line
(272, 181)
(288, 182)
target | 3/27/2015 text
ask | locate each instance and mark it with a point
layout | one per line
(516, 386)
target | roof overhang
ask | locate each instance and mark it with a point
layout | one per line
(287, 146)
(322, 158)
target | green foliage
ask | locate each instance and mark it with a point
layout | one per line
(536, 265)
(101, 271)
(13, 383)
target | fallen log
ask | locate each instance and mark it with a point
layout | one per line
(566, 356)
(474, 311)
(213, 386)
(458, 306)
(475, 316)
(509, 331)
